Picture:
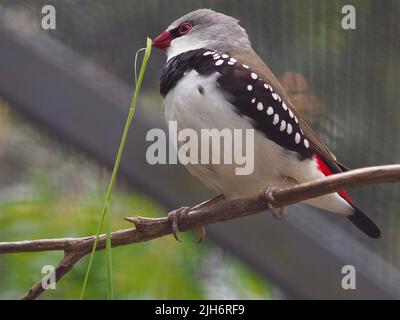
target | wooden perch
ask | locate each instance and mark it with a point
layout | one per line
(150, 228)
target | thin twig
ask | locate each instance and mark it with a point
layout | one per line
(150, 228)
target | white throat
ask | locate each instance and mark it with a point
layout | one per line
(180, 45)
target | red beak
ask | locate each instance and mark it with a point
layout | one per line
(163, 41)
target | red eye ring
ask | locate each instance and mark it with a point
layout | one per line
(185, 28)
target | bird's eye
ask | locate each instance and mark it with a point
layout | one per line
(185, 28)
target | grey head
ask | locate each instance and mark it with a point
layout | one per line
(203, 28)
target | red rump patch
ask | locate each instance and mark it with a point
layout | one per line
(327, 172)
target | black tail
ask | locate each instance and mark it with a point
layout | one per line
(365, 224)
(359, 219)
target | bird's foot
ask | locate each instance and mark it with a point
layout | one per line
(174, 216)
(272, 205)
(184, 211)
(269, 196)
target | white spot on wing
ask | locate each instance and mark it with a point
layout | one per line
(207, 53)
(260, 106)
(268, 87)
(219, 62)
(306, 143)
(231, 63)
(270, 111)
(249, 87)
(276, 119)
(297, 138)
(253, 100)
(245, 66)
(225, 56)
(291, 113)
(289, 128)
(276, 96)
(283, 125)
(254, 76)
(284, 106)
(233, 60)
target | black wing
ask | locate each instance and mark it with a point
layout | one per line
(252, 97)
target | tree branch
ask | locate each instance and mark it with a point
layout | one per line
(150, 228)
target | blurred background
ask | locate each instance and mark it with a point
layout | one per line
(64, 97)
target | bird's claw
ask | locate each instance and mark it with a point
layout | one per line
(182, 213)
(201, 234)
(174, 215)
(272, 205)
(280, 215)
(269, 196)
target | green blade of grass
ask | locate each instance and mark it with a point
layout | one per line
(110, 286)
(105, 213)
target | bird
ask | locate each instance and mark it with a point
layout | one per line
(214, 79)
